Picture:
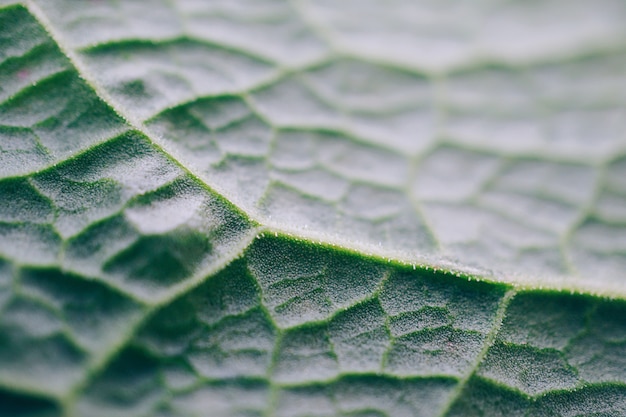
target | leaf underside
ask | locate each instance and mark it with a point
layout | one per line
(269, 208)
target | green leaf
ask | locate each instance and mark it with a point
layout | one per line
(272, 208)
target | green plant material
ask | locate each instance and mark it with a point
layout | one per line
(264, 208)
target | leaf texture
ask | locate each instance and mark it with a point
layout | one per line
(270, 208)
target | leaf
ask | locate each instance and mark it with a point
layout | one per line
(312, 209)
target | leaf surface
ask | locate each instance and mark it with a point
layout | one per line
(312, 209)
